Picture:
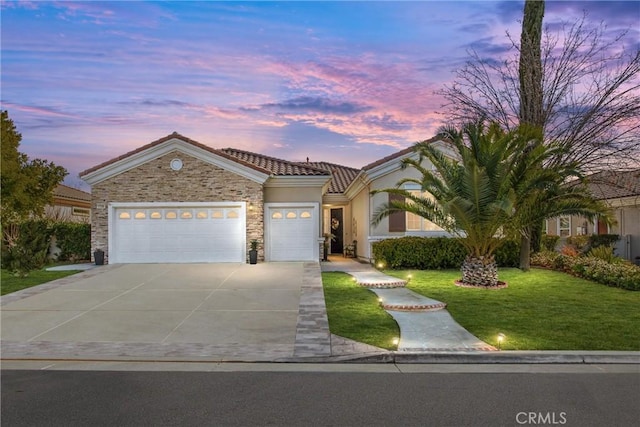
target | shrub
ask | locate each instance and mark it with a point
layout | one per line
(29, 250)
(549, 242)
(74, 240)
(569, 251)
(508, 254)
(621, 274)
(605, 253)
(596, 240)
(434, 253)
(581, 243)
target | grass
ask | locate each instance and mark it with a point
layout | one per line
(354, 312)
(10, 283)
(540, 310)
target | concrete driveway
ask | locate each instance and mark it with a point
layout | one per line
(171, 311)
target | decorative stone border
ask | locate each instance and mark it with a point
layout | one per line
(500, 285)
(414, 307)
(383, 285)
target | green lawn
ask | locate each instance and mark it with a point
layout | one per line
(354, 312)
(10, 283)
(540, 310)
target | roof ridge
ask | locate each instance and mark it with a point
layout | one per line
(334, 164)
(264, 156)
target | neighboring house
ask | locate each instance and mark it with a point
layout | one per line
(177, 200)
(69, 204)
(621, 192)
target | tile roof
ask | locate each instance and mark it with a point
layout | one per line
(275, 166)
(399, 153)
(64, 192)
(614, 184)
(388, 158)
(174, 135)
(342, 175)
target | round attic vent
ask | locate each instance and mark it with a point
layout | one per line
(176, 164)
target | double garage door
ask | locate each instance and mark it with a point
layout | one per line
(208, 232)
(178, 233)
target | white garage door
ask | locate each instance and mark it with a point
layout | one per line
(178, 233)
(292, 232)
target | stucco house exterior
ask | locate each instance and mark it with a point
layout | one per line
(69, 204)
(620, 190)
(178, 200)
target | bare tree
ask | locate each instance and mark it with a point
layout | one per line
(590, 94)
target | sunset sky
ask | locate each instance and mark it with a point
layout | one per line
(345, 82)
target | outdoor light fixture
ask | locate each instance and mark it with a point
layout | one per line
(409, 277)
(380, 301)
(380, 265)
(250, 206)
(395, 341)
(501, 338)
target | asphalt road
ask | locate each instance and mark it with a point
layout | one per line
(110, 398)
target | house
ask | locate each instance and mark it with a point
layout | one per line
(69, 204)
(177, 200)
(620, 190)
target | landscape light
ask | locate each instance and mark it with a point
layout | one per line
(501, 338)
(409, 277)
(395, 341)
(380, 265)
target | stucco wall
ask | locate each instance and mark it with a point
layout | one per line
(360, 213)
(155, 181)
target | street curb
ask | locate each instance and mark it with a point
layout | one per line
(497, 357)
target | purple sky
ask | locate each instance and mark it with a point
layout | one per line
(345, 82)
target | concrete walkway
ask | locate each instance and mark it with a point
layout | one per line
(425, 324)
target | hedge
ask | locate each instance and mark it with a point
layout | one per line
(30, 249)
(435, 253)
(74, 240)
(619, 275)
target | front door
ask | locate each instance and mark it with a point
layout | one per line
(337, 244)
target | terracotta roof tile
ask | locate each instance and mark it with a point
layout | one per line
(174, 135)
(614, 184)
(64, 192)
(275, 166)
(399, 154)
(342, 176)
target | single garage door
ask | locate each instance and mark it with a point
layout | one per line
(178, 232)
(292, 232)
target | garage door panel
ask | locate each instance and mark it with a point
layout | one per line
(292, 233)
(178, 234)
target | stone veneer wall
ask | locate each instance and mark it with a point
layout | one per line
(155, 181)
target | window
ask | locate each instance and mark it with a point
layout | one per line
(564, 226)
(276, 215)
(171, 215)
(186, 215)
(124, 215)
(81, 211)
(201, 215)
(417, 223)
(291, 215)
(155, 215)
(305, 214)
(140, 215)
(233, 213)
(217, 214)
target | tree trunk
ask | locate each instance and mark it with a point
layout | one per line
(530, 68)
(480, 271)
(525, 253)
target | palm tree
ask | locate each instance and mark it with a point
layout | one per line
(473, 195)
(500, 184)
